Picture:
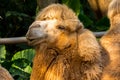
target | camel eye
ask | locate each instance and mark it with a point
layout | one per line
(61, 27)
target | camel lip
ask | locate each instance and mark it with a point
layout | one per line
(31, 39)
(36, 41)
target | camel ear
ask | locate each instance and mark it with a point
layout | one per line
(80, 26)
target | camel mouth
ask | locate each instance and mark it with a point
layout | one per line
(36, 41)
(30, 40)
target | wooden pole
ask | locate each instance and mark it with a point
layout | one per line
(18, 40)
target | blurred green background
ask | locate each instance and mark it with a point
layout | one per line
(15, 18)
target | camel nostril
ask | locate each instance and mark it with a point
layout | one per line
(35, 26)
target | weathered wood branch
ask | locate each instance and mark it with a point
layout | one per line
(99, 34)
(18, 40)
(15, 40)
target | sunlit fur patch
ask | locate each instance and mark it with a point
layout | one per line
(57, 11)
(114, 8)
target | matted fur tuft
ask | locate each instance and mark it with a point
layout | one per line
(114, 8)
(111, 42)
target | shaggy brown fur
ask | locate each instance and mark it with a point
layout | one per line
(4, 74)
(64, 49)
(100, 7)
(111, 42)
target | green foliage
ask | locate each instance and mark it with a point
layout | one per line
(20, 64)
(100, 26)
(2, 53)
(74, 4)
(25, 54)
(85, 19)
(16, 16)
(87, 16)
(20, 69)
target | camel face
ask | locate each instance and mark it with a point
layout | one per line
(51, 32)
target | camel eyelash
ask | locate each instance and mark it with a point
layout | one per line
(61, 27)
